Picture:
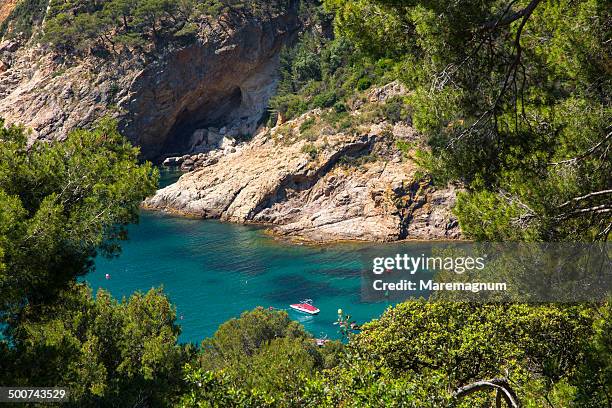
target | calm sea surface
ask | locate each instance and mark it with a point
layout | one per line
(213, 271)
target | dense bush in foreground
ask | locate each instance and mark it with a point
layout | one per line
(417, 354)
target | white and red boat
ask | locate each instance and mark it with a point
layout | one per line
(305, 306)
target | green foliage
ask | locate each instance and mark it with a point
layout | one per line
(306, 66)
(324, 100)
(360, 383)
(495, 217)
(594, 379)
(371, 25)
(111, 25)
(26, 15)
(81, 25)
(339, 119)
(262, 352)
(307, 124)
(60, 204)
(514, 100)
(290, 105)
(395, 109)
(107, 353)
(241, 337)
(467, 341)
(208, 389)
(536, 347)
(364, 83)
(415, 355)
(63, 201)
(311, 150)
(322, 72)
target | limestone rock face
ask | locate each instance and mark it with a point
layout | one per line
(222, 79)
(353, 186)
(6, 7)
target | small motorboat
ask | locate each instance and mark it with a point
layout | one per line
(305, 306)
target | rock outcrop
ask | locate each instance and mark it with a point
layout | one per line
(338, 185)
(325, 176)
(6, 7)
(221, 79)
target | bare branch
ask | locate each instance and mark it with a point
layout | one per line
(500, 385)
(603, 235)
(524, 14)
(584, 197)
(481, 120)
(585, 154)
(598, 209)
(511, 74)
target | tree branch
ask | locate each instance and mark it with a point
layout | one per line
(598, 209)
(526, 12)
(501, 385)
(585, 154)
(523, 14)
(584, 197)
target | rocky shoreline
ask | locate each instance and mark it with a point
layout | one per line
(351, 184)
(328, 175)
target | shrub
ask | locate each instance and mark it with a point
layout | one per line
(393, 109)
(261, 350)
(339, 107)
(467, 342)
(306, 67)
(311, 150)
(307, 124)
(364, 83)
(289, 105)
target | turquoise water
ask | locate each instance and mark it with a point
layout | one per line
(213, 271)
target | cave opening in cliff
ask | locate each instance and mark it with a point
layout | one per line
(212, 110)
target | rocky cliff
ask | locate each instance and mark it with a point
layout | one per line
(6, 7)
(327, 175)
(324, 176)
(221, 79)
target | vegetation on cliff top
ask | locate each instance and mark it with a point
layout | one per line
(26, 15)
(109, 25)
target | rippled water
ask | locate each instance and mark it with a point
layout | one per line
(213, 271)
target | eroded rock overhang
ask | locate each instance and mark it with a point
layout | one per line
(226, 87)
(221, 79)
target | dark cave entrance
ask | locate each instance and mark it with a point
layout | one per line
(208, 111)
